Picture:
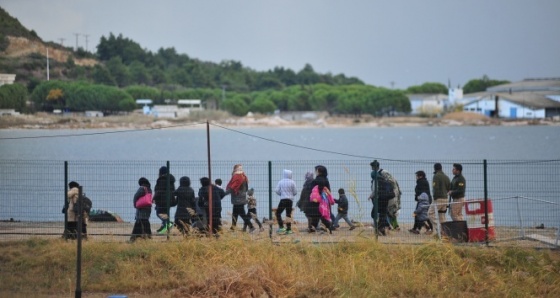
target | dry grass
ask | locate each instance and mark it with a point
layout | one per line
(231, 267)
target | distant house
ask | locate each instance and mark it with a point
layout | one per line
(93, 114)
(515, 105)
(145, 104)
(531, 98)
(428, 103)
(7, 78)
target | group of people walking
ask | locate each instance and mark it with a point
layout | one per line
(202, 212)
(386, 190)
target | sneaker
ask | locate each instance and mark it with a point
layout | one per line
(163, 230)
(281, 231)
(413, 231)
(289, 232)
(261, 228)
(352, 227)
(429, 232)
(170, 225)
(251, 229)
(397, 229)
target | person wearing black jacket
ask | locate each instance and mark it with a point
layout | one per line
(186, 205)
(423, 186)
(203, 201)
(321, 181)
(142, 228)
(160, 198)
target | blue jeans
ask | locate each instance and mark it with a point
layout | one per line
(339, 216)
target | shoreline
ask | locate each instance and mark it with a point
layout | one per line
(44, 121)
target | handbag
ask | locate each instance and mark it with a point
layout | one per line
(315, 196)
(145, 200)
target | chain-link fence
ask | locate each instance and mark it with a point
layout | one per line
(522, 207)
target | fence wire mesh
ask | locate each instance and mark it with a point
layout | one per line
(524, 196)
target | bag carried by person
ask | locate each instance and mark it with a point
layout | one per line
(86, 204)
(386, 190)
(315, 196)
(145, 200)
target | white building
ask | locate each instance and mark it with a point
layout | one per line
(515, 105)
(7, 78)
(428, 104)
(530, 98)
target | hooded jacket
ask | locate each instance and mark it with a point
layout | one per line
(286, 187)
(422, 207)
(160, 190)
(185, 198)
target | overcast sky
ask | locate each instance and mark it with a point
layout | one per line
(396, 43)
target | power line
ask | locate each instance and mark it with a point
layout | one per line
(99, 133)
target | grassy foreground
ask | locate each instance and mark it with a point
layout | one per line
(239, 268)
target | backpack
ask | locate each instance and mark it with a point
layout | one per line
(386, 190)
(86, 204)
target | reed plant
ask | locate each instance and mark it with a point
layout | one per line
(244, 267)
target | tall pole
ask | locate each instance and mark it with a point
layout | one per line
(86, 36)
(80, 213)
(77, 35)
(47, 64)
(210, 217)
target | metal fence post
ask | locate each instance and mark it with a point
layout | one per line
(486, 202)
(270, 196)
(80, 213)
(168, 197)
(65, 199)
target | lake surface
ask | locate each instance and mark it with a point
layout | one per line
(521, 162)
(461, 143)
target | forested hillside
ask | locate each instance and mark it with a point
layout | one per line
(120, 70)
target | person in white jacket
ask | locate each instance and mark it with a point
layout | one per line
(287, 190)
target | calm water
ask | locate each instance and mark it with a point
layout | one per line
(428, 143)
(294, 148)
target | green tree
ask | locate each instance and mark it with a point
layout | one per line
(13, 96)
(262, 105)
(101, 75)
(428, 88)
(236, 106)
(119, 71)
(480, 85)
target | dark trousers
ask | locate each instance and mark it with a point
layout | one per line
(239, 211)
(285, 204)
(71, 231)
(216, 219)
(141, 228)
(382, 221)
(252, 213)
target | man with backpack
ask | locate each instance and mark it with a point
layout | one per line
(71, 209)
(392, 193)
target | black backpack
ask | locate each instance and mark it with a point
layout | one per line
(86, 204)
(386, 190)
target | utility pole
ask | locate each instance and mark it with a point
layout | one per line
(77, 35)
(62, 41)
(86, 36)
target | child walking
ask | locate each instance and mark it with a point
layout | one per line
(421, 213)
(286, 189)
(342, 210)
(252, 209)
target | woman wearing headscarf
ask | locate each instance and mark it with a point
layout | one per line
(142, 228)
(237, 188)
(322, 183)
(303, 202)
